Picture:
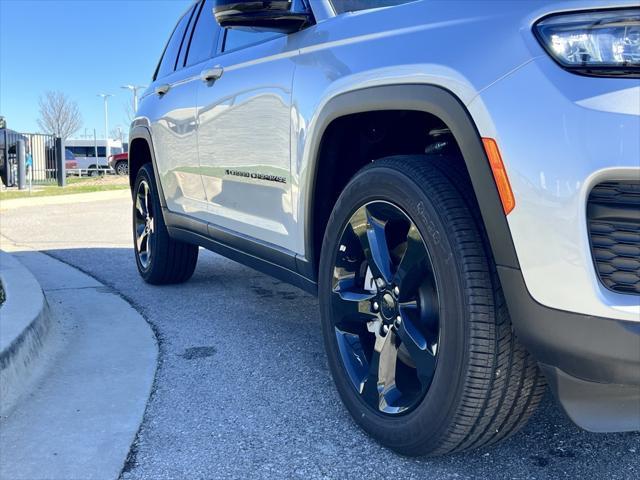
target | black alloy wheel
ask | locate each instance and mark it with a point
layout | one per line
(385, 308)
(144, 223)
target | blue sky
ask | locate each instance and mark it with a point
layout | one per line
(80, 47)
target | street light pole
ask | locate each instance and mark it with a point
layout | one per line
(105, 97)
(134, 89)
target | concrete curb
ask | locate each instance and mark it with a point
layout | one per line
(84, 408)
(24, 328)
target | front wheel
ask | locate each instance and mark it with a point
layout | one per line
(418, 338)
(160, 258)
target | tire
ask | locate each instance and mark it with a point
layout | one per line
(122, 168)
(160, 259)
(484, 385)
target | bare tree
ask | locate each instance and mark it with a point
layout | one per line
(59, 115)
(118, 133)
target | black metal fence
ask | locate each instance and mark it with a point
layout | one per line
(40, 149)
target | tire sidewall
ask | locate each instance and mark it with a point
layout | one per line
(436, 411)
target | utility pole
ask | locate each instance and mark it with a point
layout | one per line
(134, 89)
(105, 97)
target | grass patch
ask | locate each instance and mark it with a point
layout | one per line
(74, 185)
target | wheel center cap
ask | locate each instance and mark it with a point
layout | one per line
(388, 307)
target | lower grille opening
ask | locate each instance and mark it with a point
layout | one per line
(613, 216)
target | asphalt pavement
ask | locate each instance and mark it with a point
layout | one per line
(243, 389)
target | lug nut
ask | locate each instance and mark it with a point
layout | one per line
(375, 306)
(396, 290)
(398, 322)
(385, 328)
(380, 283)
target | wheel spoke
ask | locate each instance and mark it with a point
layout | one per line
(422, 351)
(351, 349)
(389, 394)
(379, 388)
(413, 265)
(371, 233)
(140, 207)
(147, 201)
(141, 238)
(351, 305)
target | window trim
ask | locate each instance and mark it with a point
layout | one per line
(216, 43)
(187, 31)
(166, 45)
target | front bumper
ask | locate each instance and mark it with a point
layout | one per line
(591, 363)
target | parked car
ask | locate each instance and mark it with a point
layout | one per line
(70, 162)
(457, 181)
(120, 163)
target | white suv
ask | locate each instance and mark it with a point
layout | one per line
(458, 182)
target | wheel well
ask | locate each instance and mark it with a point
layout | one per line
(139, 155)
(352, 141)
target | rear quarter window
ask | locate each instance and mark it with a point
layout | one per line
(171, 51)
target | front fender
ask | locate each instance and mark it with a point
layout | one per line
(447, 107)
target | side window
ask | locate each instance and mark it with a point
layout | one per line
(184, 46)
(79, 151)
(204, 39)
(235, 39)
(168, 63)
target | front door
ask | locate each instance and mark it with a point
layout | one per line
(171, 110)
(244, 117)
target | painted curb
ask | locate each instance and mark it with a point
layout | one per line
(24, 328)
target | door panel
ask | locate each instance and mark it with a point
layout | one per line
(243, 141)
(174, 136)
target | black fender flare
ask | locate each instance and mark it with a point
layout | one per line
(447, 107)
(140, 132)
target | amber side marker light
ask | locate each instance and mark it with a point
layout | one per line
(499, 175)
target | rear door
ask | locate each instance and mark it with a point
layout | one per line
(244, 121)
(171, 110)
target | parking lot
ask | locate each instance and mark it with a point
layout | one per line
(242, 387)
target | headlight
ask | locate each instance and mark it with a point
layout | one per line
(595, 43)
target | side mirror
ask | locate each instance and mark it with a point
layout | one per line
(260, 15)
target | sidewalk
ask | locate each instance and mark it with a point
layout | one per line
(80, 418)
